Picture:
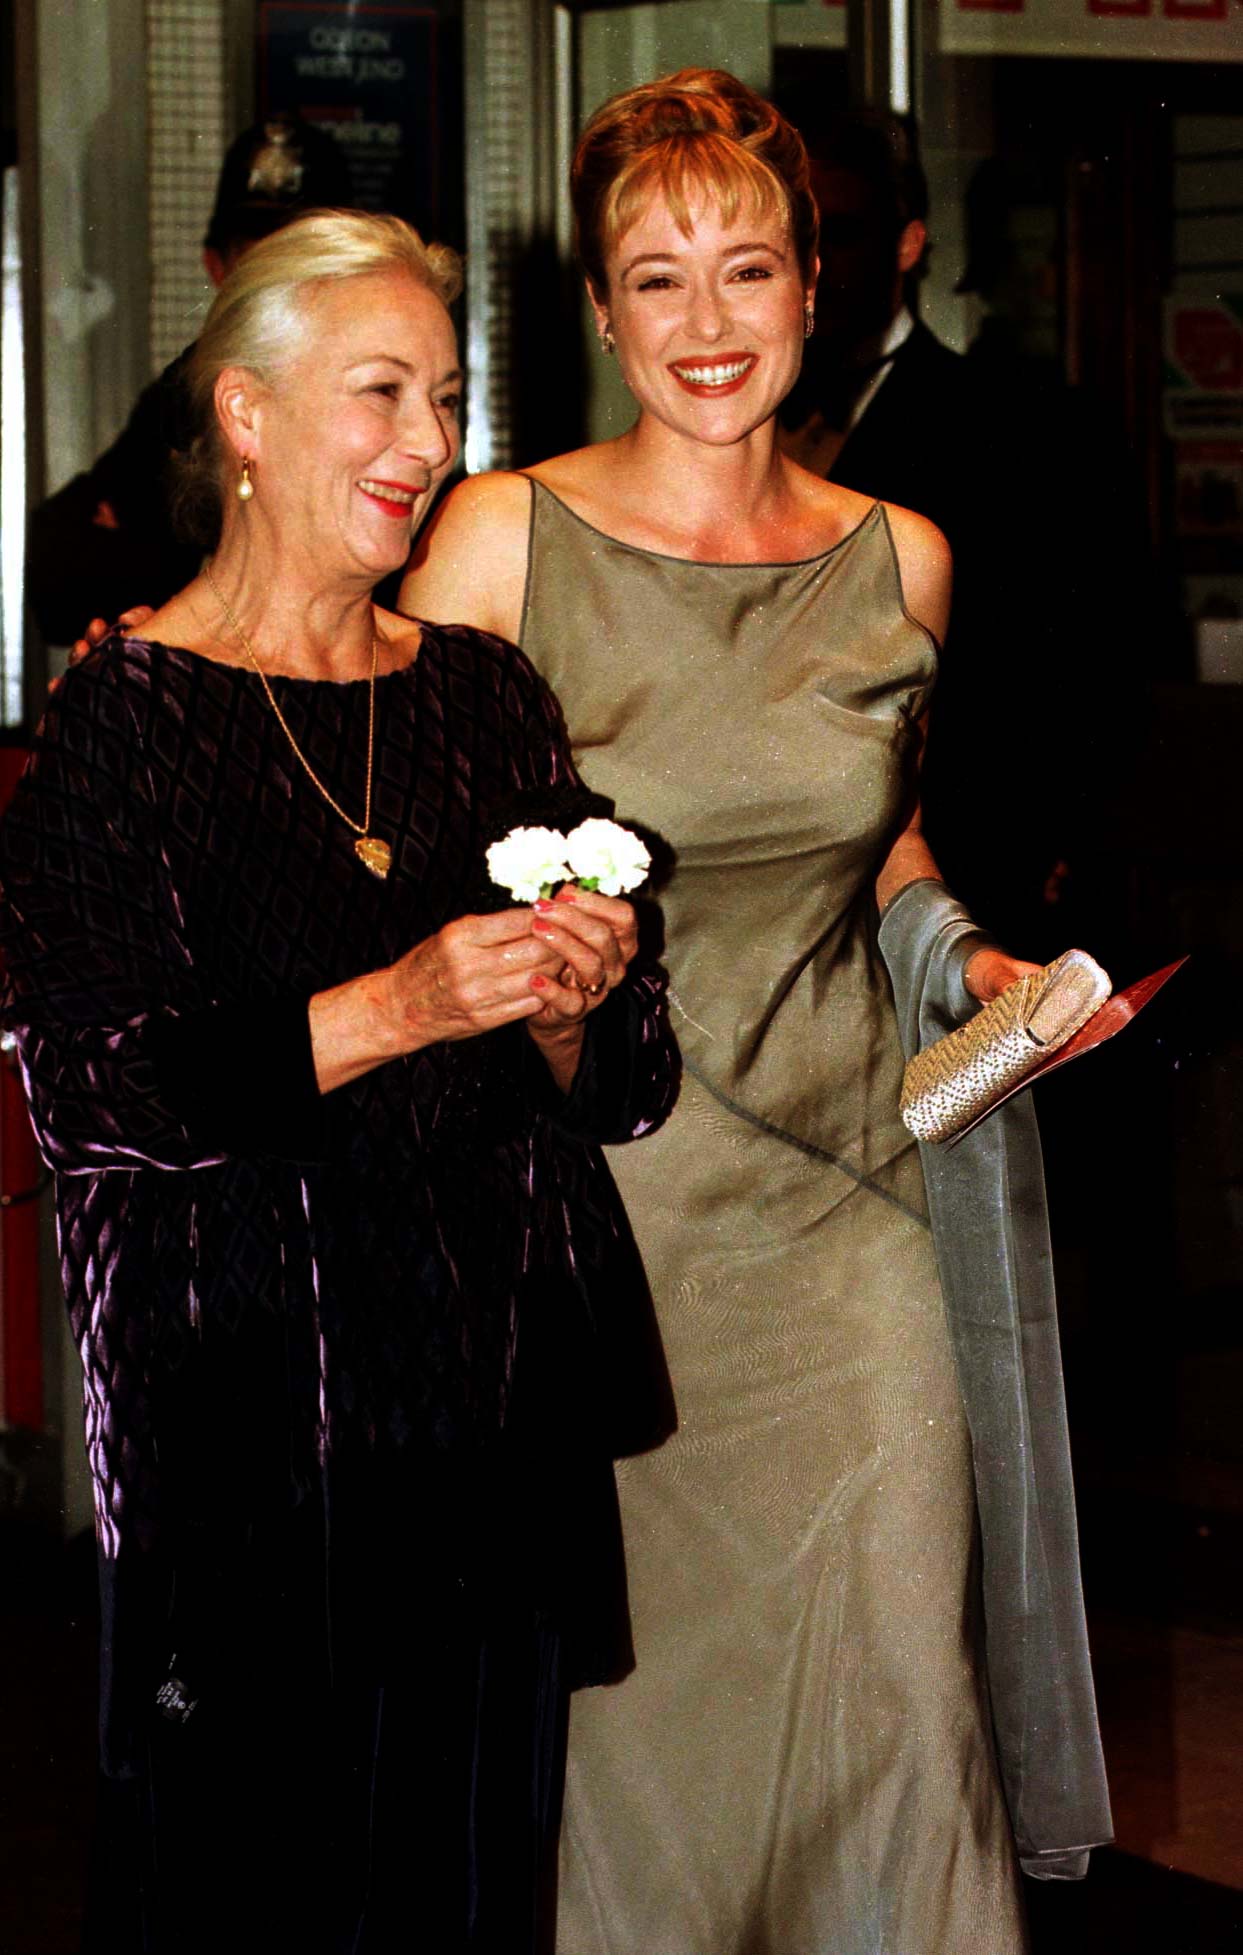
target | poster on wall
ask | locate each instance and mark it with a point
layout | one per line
(1124, 30)
(1203, 406)
(371, 76)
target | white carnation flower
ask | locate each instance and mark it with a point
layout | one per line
(606, 856)
(528, 862)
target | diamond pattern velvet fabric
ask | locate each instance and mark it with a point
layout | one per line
(282, 1299)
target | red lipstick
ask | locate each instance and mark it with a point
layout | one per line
(712, 378)
(373, 488)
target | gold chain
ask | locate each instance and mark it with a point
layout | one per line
(374, 853)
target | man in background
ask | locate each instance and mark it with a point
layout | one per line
(106, 540)
(1048, 646)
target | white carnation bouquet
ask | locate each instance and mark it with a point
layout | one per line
(598, 854)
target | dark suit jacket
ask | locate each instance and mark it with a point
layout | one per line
(929, 432)
(77, 568)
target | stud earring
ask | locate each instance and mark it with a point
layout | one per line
(245, 488)
(809, 320)
(607, 342)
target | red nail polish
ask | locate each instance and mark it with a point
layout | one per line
(541, 923)
(538, 983)
(541, 903)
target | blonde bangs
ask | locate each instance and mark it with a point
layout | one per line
(688, 170)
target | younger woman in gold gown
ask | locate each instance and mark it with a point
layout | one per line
(802, 1763)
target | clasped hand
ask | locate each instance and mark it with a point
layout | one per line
(550, 965)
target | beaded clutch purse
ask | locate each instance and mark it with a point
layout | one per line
(953, 1082)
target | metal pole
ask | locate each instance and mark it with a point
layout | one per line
(510, 58)
(879, 40)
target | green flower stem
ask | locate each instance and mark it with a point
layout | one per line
(584, 882)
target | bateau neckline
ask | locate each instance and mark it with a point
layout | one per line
(183, 653)
(702, 563)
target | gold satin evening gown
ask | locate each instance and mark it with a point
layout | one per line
(801, 1763)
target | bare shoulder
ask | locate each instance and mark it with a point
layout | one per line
(500, 496)
(579, 472)
(827, 511)
(469, 565)
(925, 566)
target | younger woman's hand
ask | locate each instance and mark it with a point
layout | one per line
(990, 972)
(596, 937)
(97, 630)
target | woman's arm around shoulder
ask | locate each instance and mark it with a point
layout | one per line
(470, 565)
(925, 569)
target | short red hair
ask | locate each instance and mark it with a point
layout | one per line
(698, 134)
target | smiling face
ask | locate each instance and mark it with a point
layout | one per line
(359, 427)
(709, 327)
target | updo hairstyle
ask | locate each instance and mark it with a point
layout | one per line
(258, 320)
(697, 134)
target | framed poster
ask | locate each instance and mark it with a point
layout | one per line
(374, 76)
(1204, 411)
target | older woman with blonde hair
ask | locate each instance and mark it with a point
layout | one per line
(361, 1324)
(823, 1751)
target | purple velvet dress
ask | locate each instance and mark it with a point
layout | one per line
(356, 1366)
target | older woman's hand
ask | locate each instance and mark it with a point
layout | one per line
(476, 974)
(472, 976)
(990, 972)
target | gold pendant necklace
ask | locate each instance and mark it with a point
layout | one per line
(372, 852)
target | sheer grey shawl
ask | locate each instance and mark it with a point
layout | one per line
(990, 1227)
